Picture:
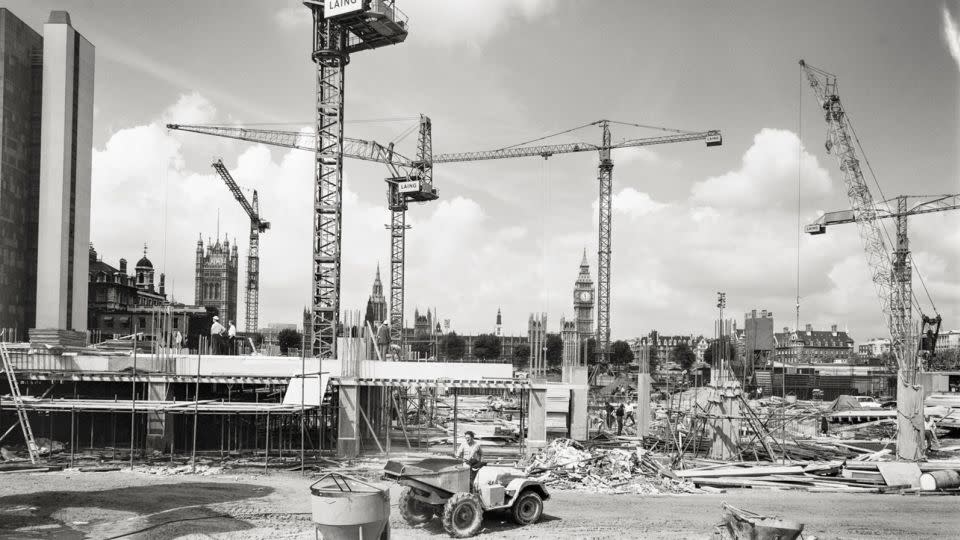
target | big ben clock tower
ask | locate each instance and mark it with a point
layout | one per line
(583, 297)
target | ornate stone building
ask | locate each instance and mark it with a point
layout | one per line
(583, 298)
(216, 278)
(376, 304)
(121, 304)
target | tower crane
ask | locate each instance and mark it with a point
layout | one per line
(257, 226)
(891, 276)
(421, 168)
(411, 180)
(605, 178)
(927, 204)
(339, 29)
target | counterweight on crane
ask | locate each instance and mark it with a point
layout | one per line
(257, 226)
(891, 275)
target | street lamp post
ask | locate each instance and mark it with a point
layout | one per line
(721, 303)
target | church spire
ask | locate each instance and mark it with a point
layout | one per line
(584, 263)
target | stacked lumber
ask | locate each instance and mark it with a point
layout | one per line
(566, 465)
(824, 477)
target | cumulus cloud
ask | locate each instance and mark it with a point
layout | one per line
(951, 33)
(767, 176)
(464, 22)
(190, 108)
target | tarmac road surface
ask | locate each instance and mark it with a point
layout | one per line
(71, 504)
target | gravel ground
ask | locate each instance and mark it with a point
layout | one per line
(70, 504)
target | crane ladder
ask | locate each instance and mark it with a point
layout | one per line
(32, 448)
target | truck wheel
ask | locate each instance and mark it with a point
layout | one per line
(527, 508)
(462, 515)
(413, 511)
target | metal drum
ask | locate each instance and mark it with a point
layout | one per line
(345, 508)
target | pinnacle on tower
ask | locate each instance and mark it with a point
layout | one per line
(584, 263)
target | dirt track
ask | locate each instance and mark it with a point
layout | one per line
(71, 504)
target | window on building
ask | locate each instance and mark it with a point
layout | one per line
(143, 322)
(176, 322)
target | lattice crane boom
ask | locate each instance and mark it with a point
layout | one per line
(713, 138)
(929, 204)
(895, 308)
(352, 148)
(257, 226)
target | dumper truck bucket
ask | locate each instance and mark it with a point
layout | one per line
(447, 475)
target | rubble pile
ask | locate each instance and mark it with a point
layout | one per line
(565, 464)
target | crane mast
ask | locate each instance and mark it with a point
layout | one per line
(257, 226)
(605, 180)
(345, 29)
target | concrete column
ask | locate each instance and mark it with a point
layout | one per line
(537, 417)
(579, 403)
(644, 410)
(158, 428)
(348, 425)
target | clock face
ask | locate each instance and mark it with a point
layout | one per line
(584, 296)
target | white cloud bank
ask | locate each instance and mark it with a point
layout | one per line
(735, 231)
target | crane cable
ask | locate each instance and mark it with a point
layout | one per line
(799, 188)
(876, 182)
(564, 132)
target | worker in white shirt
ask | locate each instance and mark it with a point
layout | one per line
(930, 434)
(216, 336)
(471, 454)
(232, 338)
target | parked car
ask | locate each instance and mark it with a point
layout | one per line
(867, 402)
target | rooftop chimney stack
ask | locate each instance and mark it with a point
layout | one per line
(123, 266)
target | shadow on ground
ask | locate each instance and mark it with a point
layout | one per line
(109, 513)
(493, 523)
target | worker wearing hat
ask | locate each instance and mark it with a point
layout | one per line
(216, 335)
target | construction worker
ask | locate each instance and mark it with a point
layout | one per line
(177, 341)
(930, 434)
(471, 454)
(609, 418)
(232, 338)
(216, 335)
(631, 409)
(620, 412)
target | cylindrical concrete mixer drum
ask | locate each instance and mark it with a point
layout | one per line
(345, 508)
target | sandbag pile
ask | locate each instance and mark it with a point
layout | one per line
(565, 464)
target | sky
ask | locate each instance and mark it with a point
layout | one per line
(688, 220)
